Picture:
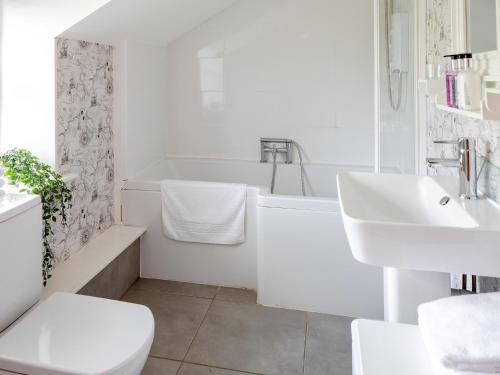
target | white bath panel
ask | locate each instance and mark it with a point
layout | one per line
(166, 259)
(305, 263)
(295, 255)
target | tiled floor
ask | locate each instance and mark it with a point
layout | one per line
(203, 330)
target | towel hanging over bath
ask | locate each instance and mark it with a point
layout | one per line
(204, 212)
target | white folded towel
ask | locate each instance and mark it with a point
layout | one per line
(463, 333)
(204, 212)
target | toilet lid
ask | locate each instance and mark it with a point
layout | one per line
(74, 334)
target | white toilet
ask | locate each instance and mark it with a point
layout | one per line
(66, 334)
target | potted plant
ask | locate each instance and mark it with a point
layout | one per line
(23, 169)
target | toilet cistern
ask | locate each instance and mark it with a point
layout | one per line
(65, 334)
(465, 162)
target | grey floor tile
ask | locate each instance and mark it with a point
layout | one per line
(236, 295)
(251, 338)
(328, 345)
(190, 369)
(176, 287)
(158, 366)
(177, 319)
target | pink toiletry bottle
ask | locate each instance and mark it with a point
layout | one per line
(451, 81)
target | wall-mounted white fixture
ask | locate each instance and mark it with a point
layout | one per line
(400, 222)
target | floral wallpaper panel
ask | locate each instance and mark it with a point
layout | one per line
(84, 131)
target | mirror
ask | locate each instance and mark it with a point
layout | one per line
(481, 25)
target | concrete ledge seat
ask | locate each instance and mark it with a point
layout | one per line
(72, 275)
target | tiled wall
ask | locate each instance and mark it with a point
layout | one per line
(441, 124)
(275, 69)
(84, 140)
(146, 97)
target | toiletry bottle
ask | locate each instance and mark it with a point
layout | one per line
(451, 81)
(468, 85)
(460, 66)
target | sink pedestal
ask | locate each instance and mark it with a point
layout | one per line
(404, 290)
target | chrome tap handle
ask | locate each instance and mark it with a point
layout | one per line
(438, 162)
(453, 141)
(468, 171)
(466, 163)
(276, 145)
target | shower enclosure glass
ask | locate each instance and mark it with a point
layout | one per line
(395, 86)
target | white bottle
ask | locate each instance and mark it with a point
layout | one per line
(468, 85)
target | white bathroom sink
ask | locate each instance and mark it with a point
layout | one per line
(398, 221)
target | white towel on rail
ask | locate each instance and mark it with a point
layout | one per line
(463, 333)
(204, 212)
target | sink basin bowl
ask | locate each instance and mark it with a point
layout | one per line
(399, 221)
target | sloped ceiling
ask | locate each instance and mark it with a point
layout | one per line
(156, 22)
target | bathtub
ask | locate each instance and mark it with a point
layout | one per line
(295, 255)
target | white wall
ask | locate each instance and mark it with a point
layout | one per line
(301, 69)
(28, 70)
(140, 32)
(146, 105)
(1, 62)
(155, 22)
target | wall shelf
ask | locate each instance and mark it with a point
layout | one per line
(490, 105)
(473, 114)
(491, 78)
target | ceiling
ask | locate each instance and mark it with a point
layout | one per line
(156, 22)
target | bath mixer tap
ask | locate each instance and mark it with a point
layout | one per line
(273, 146)
(465, 162)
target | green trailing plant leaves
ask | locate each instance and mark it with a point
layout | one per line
(22, 167)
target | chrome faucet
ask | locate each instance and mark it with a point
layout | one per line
(465, 162)
(273, 146)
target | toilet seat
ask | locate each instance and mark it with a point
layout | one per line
(71, 334)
